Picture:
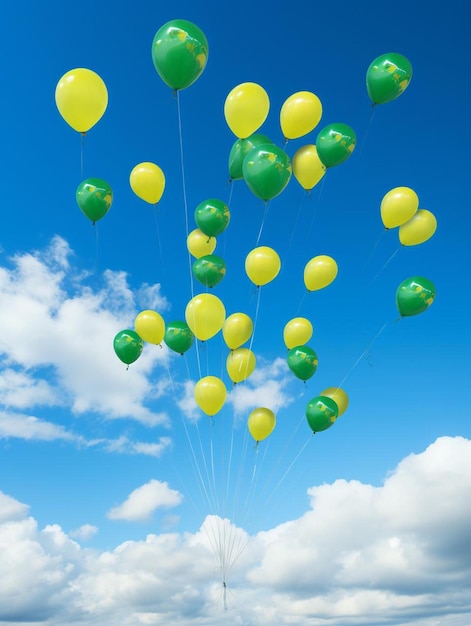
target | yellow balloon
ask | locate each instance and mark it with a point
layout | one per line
(398, 206)
(210, 394)
(297, 332)
(262, 265)
(319, 272)
(338, 396)
(150, 326)
(246, 108)
(205, 315)
(82, 98)
(199, 244)
(237, 329)
(147, 181)
(261, 423)
(308, 169)
(300, 114)
(240, 363)
(418, 229)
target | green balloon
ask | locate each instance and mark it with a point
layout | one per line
(212, 217)
(128, 346)
(267, 170)
(302, 361)
(321, 413)
(209, 269)
(240, 150)
(335, 143)
(414, 295)
(178, 336)
(179, 53)
(387, 77)
(94, 197)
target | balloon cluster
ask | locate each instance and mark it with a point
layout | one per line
(180, 54)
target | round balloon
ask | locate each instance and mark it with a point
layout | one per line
(420, 228)
(210, 394)
(308, 169)
(209, 269)
(240, 150)
(303, 362)
(180, 53)
(246, 108)
(240, 364)
(297, 332)
(81, 98)
(267, 170)
(212, 217)
(321, 413)
(335, 143)
(128, 346)
(319, 272)
(261, 423)
(150, 326)
(300, 114)
(94, 197)
(147, 181)
(237, 329)
(205, 315)
(414, 295)
(339, 397)
(178, 336)
(262, 265)
(398, 206)
(387, 77)
(199, 244)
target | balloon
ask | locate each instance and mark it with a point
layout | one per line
(339, 397)
(319, 272)
(297, 332)
(205, 315)
(150, 326)
(212, 217)
(414, 295)
(240, 150)
(262, 265)
(398, 206)
(300, 114)
(147, 181)
(335, 143)
(237, 329)
(267, 170)
(199, 244)
(321, 413)
(240, 363)
(128, 346)
(94, 197)
(308, 169)
(178, 336)
(246, 108)
(210, 394)
(82, 98)
(387, 77)
(261, 423)
(302, 361)
(418, 229)
(180, 53)
(209, 269)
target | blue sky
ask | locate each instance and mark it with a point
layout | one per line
(119, 498)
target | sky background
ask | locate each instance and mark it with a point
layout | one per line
(120, 501)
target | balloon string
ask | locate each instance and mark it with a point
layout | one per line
(298, 213)
(257, 308)
(159, 242)
(267, 204)
(316, 205)
(96, 248)
(365, 351)
(82, 144)
(374, 248)
(384, 267)
(368, 126)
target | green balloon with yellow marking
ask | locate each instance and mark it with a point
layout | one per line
(414, 295)
(387, 77)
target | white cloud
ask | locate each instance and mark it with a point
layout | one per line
(397, 554)
(84, 532)
(143, 501)
(30, 427)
